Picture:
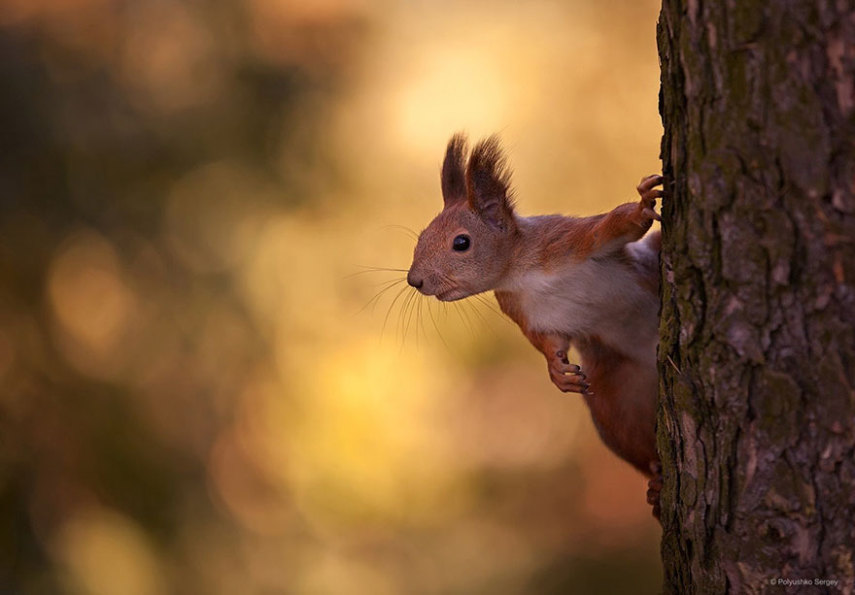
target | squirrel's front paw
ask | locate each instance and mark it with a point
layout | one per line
(649, 193)
(569, 378)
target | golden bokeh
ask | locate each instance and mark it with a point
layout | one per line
(91, 303)
(103, 552)
(213, 376)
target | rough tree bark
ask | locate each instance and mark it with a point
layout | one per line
(757, 352)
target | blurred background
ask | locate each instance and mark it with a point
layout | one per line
(205, 386)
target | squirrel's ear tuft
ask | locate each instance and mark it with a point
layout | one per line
(454, 170)
(488, 183)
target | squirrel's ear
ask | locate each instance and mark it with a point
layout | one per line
(453, 170)
(488, 184)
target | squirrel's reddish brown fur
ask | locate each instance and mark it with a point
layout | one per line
(590, 281)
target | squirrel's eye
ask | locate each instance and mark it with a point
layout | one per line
(461, 243)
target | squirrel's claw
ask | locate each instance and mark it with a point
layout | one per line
(569, 378)
(649, 193)
(647, 183)
(651, 213)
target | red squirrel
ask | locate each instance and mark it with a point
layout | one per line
(591, 281)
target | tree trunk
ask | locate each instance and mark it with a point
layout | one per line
(757, 353)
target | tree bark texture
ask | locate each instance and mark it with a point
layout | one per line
(757, 354)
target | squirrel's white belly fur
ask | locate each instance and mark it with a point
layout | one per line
(587, 298)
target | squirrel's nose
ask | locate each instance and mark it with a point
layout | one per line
(414, 281)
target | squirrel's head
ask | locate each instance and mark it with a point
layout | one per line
(467, 248)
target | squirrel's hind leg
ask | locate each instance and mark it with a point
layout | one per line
(654, 489)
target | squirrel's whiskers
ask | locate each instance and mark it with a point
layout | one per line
(414, 315)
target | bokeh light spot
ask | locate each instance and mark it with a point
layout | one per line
(169, 61)
(91, 302)
(107, 553)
